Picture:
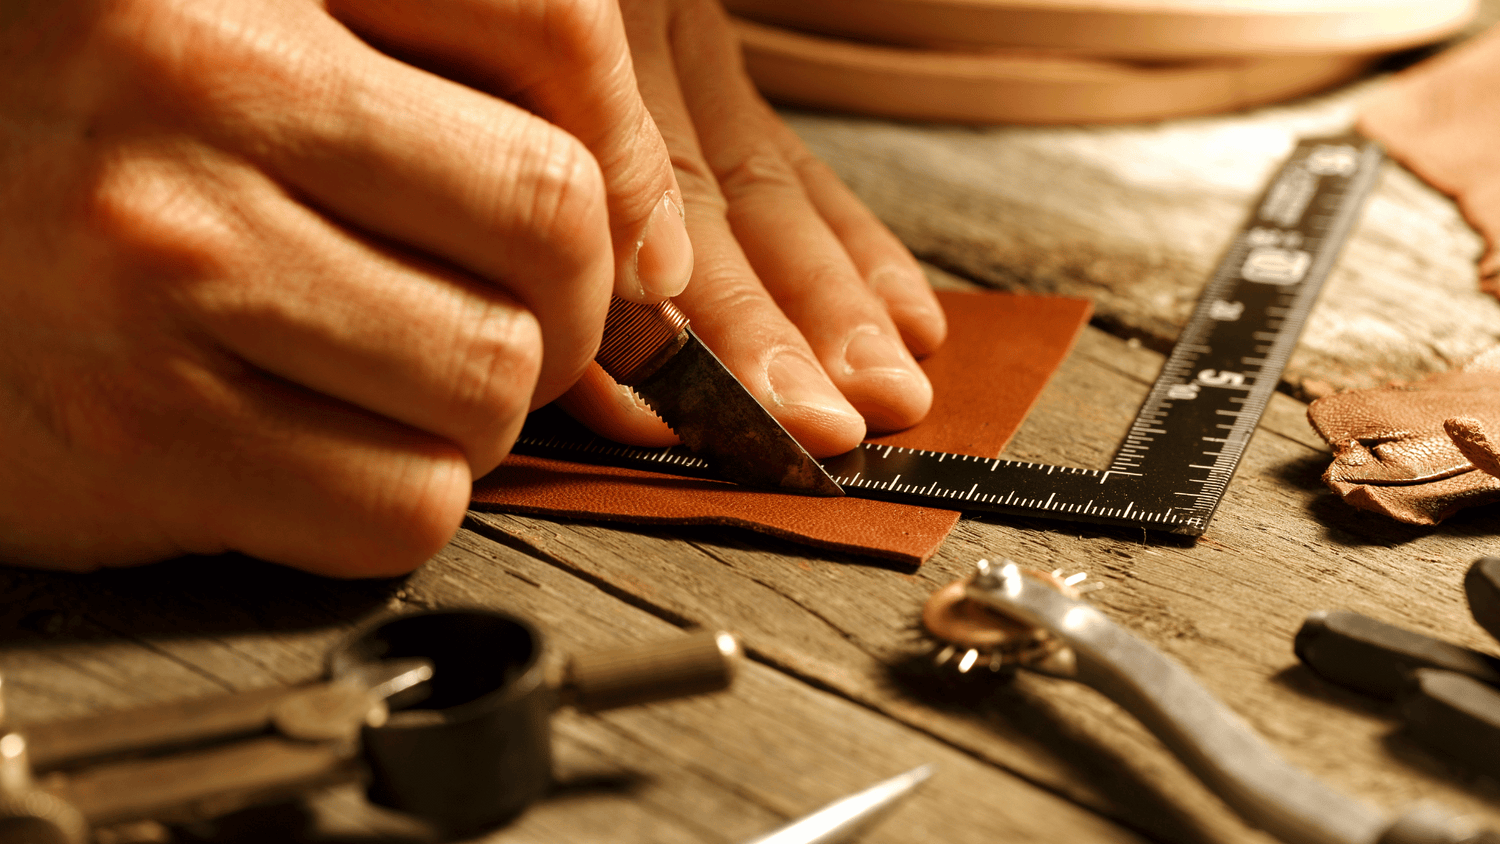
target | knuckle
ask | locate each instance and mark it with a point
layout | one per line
(833, 275)
(149, 215)
(199, 61)
(412, 521)
(727, 292)
(757, 172)
(576, 30)
(560, 199)
(494, 377)
(700, 189)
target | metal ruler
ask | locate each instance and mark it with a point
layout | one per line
(1183, 447)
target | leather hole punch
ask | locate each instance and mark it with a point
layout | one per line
(444, 715)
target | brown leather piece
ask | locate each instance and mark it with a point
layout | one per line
(1416, 452)
(1000, 353)
(1441, 119)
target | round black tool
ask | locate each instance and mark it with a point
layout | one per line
(476, 750)
(471, 747)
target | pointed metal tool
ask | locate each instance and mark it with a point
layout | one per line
(841, 820)
(651, 349)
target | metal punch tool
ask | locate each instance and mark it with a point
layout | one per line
(442, 715)
(1027, 619)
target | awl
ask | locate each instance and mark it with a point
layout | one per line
(651, 349)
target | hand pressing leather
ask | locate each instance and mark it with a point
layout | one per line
(807, 298)
(272, 289)
(1416, 452)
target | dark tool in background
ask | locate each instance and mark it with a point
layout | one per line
(444, 715)
(1186, 441)
(651, 349)
(1448, 696)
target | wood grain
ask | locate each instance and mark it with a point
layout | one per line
(1135, 217)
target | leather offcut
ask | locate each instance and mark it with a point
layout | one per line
(1441, 119)
(1001, 351)
(1416, 452)
(1421, 452)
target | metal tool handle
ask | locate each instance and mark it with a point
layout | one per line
(190, 760)
(1213, 742)
(638, 338)
(695, 664)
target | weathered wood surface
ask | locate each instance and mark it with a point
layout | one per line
(836, 696)
(1136, 218)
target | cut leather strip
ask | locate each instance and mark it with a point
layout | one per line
(1441, 119)
(1001, 351)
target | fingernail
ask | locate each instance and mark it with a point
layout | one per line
(870, 348)
(664, 257)
(795, 380)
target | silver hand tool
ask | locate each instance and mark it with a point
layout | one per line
(1035, 625)
(843, 819)
(444, 715)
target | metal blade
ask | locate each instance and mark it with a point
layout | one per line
(718, 419)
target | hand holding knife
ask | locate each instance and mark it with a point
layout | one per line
(652, 350)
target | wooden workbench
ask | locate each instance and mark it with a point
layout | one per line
(1132, 217)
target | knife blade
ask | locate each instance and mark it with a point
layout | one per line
(652, 350)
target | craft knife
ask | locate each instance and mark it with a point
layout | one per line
(652, 350)
(1179, 454)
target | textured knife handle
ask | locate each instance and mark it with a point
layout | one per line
(639, 338)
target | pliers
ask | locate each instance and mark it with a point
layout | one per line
(1448, 695)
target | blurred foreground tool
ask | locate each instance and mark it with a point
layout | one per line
(1008, 618)
(842, 820)
(1449, 696)
(1079, 61)
(651, 349)
(443, 715)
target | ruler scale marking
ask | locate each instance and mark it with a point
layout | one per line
(1231, 352)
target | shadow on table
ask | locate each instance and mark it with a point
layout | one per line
(1351, 527)
(191, 596)
(1402, 747)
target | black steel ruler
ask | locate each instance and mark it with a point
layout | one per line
(1183, 447)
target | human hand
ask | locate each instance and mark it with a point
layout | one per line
(803, 294)
(270, 289)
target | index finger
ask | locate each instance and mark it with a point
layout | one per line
(567, 61)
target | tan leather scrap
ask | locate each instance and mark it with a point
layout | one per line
(1441, 118)
(1416, 452)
